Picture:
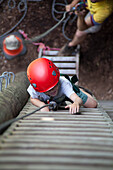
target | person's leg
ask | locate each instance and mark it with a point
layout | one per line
(71, 46)
(78, 38)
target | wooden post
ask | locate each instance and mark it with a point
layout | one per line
(14, 97)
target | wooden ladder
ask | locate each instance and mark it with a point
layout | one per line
(66, 64)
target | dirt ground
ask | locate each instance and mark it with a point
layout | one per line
(96, 56)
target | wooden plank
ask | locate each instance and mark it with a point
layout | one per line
(63, 114)
(64, 122)
(57, 58)
(49, 52)
(59, 160)
(58, 152)
(87, 129)
(62, 146)
(69, 72)
(79, 125)
(38, 166)
(58, 118)
(58, 141)
(63, 133)
(66, 65)
(91, 110)
(59, 137)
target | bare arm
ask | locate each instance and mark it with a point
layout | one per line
(39, 103)
(81, 23)
(74, 2)
(91, 102)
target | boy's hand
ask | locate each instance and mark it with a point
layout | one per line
(73, 108)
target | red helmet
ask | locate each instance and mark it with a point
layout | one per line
(43, 74)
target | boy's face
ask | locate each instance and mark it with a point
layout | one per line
(53, 92)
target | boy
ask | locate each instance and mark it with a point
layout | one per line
(46, 84)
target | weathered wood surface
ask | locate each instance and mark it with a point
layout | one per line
(14, 97)
(108, 107)
(58, 141)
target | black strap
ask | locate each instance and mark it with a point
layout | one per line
(73, 80)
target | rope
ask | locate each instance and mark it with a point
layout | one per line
(9, 122)
(25, 12)
(11, 2)
(32, 40)
(54, 5)
(41, 45)
(24, 9)
(64, 26)
(54, 10)
(48, 31)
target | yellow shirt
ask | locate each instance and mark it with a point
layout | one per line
(100, 10)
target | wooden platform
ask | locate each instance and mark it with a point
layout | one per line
(58, 141)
